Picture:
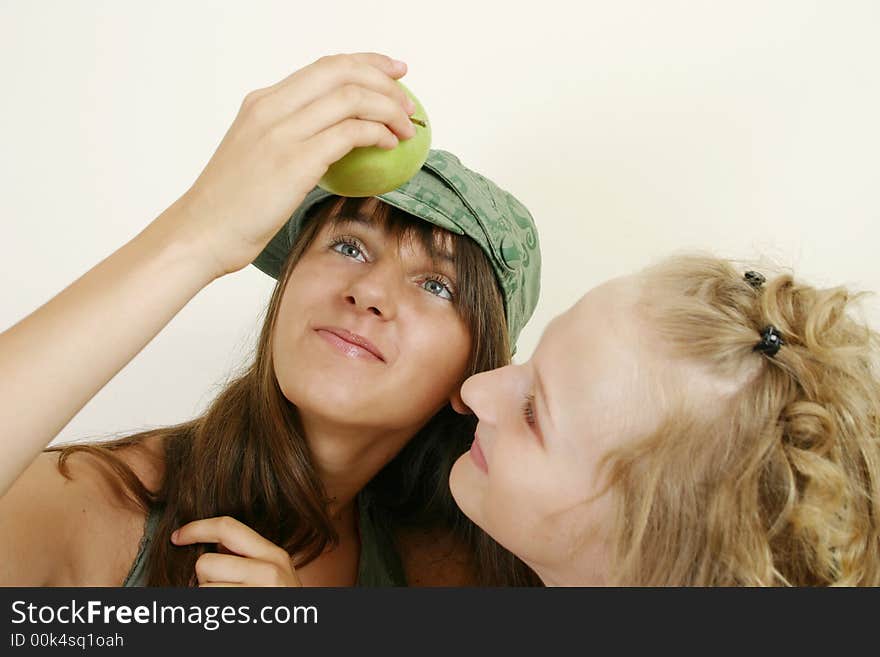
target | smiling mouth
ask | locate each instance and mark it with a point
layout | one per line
(350, 344)
(477, 455)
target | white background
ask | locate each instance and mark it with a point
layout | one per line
(630, 130)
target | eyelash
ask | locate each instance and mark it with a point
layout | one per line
(528, 410)
(353, 241)
(446, 283)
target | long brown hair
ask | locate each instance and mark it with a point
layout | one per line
(778, 481)
(246, 455)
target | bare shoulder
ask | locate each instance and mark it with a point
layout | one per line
(76, 531)
(434, 557)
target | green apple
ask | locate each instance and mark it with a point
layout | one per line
(371, 171)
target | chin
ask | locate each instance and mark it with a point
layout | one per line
(327, 395)
(342, 412)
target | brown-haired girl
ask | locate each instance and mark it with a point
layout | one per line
(326, 462)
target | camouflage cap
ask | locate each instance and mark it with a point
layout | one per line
(446, 193)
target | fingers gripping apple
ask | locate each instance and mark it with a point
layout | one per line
(370, 171)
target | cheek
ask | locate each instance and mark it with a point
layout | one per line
(529, 500)
(306, 285)
(566, 508)
(517, 484)
(289, 331)
(282, 363)
(590, 433)
(492, 503)
(508, 503)
(440, 345)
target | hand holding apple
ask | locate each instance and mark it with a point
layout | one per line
(280, 144)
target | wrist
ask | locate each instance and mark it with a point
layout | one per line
(182, 244)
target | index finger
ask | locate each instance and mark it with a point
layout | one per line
(393, 68)
(231, 533)
(371, 70)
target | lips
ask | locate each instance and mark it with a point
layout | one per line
(337, 335)
(478, 456)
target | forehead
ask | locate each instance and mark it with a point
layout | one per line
(593, 359)
(603, 320)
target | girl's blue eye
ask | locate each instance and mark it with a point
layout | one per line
(438, 288)
(348, 249)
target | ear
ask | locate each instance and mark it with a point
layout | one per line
(458, 404)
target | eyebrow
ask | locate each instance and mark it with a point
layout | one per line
(366, 220)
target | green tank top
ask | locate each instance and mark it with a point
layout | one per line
(379, 563)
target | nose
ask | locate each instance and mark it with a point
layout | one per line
(374, 290)
(483, 393)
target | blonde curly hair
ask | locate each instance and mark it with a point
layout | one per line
(776, 483)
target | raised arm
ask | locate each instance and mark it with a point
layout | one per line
(279, 145)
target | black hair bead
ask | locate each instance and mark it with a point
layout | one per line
(754, 279)
(770, 342)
